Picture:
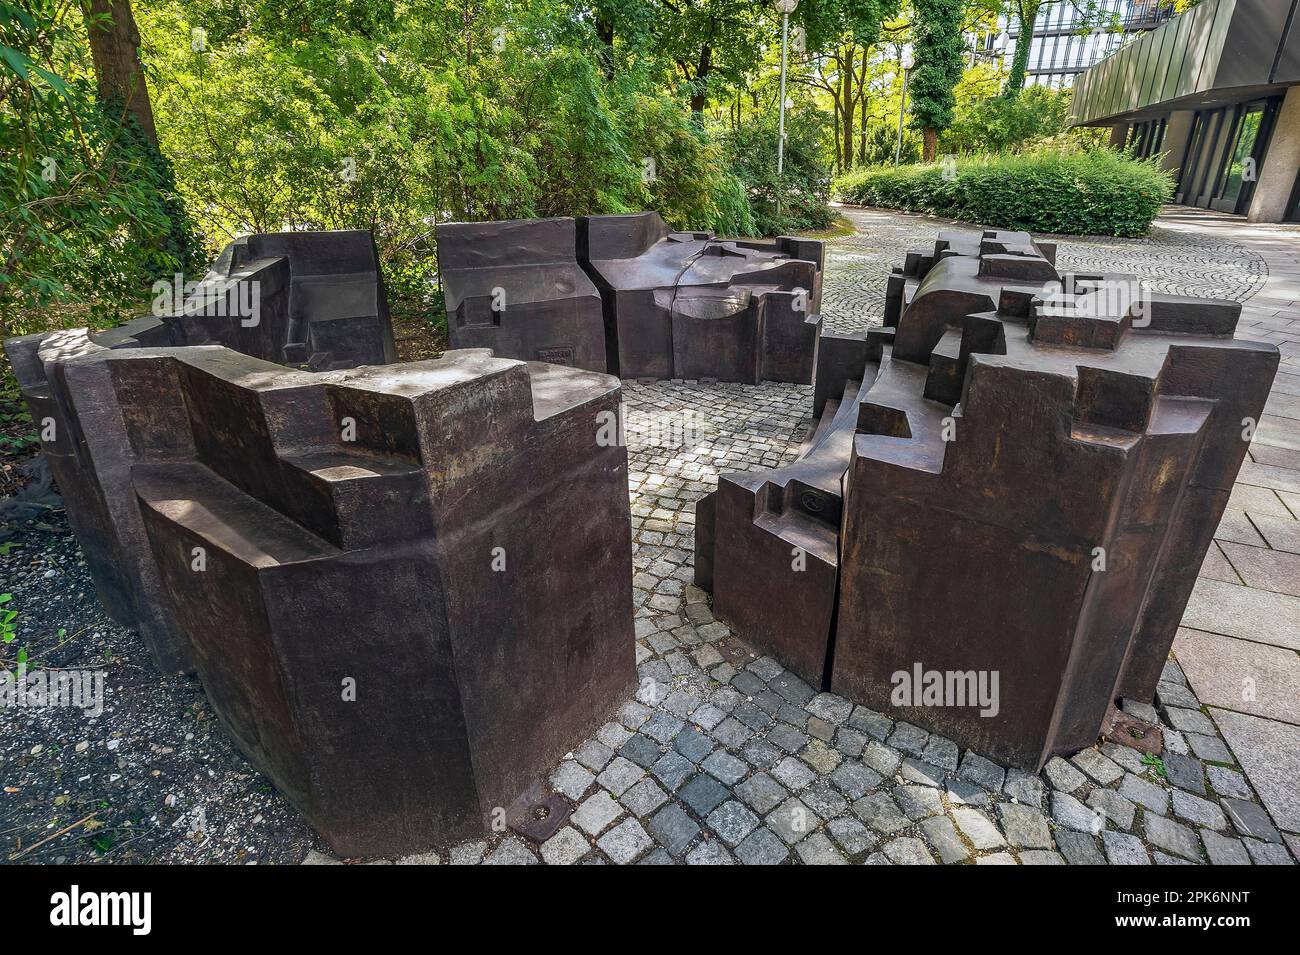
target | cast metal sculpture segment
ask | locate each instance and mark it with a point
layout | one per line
(626, 295)
(375, 571)
(1020, 475)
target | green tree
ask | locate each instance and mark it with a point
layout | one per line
(939, 48)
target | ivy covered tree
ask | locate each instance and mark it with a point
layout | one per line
(939, 48)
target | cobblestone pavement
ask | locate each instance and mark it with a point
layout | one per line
(725, 757)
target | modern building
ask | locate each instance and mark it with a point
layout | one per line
(1217, 92)
(1069, 37)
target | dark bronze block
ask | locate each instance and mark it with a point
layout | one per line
(1021, 485)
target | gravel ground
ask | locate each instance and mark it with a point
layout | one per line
(153, 778)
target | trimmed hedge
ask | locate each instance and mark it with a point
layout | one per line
(1068, 191)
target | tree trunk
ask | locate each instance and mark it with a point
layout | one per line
(846, 97)
(1020, 59)
(605, 31)
(930, 136)
(114, 46)
(700, 97)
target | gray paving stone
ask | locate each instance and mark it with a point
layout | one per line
(792, 820)
(596, 812)
(787, 738)
(708, 716)
(821, 758)
(922, 773)
(732, 733)
(1176, 742)
(632, 714)
(943, 836)
(693, 744)
(1124, 849)
(1171, 836)
(1142, 711)
(644, 798)
(1250, 819)
(942, 753)
(1145, 793)
(565, 847)
(641, 749)
(1189, 720)
(978, 828)
(1024, 787)
(908, 738)
(879, 811)
(817, 849)
(1269, 752)
(725, 767)
(1069, 813)
(1227, 782)
(511, 852)
(793, 774)
(849, 741)
(1114, 807)
(467, 853)
(1063, 777)
(1223, 850)
(962, 793)
(1164, 858)
(571, 779)
(762, 847)
(1040, 857)
(1209, 748)
(1079, 848)
(874, 724)
(709, 852)
(982, 772)
(852, 836)
(748, 683)
(620, 775)
(854, 780)
(1025, 826)
(1097, 766)
(883, 759)
(1198, 810)
(658, 857)
(662, 727)
(1185, 772)
(791, 688)
(762, 792)
(726, 698)
(829, 707)
(674, 828)
(760, 754)
(702, 794)
(1125, 757)
(917, 802)
(908, 851)
(997, 858)
(765, 668)
(732, 821)
(672, 770)
(1267, 853)
(613, 735)
(823, 799)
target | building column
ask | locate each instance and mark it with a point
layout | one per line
(1177, 129)
(1118, 135)
(1277, 173)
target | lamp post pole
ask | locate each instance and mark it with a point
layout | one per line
(786, 7)
(906, 62)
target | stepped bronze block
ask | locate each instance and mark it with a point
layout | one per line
(1011, 489)
(689, 305)
(376, 572)
(625, 295)
(315, 297)
(516, 287)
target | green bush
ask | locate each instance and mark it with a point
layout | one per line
(996, 124)
(805, 182)
(1067, 191)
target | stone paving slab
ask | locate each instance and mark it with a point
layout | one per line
(1269, 752)
(1239, 675)
(1239, 611)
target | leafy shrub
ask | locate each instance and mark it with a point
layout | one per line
(806, 188)
(997, 124)
(1068, 191)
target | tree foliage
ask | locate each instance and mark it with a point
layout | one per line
(940, 48)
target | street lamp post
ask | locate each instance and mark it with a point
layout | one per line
(786, 7)
(906, 61)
